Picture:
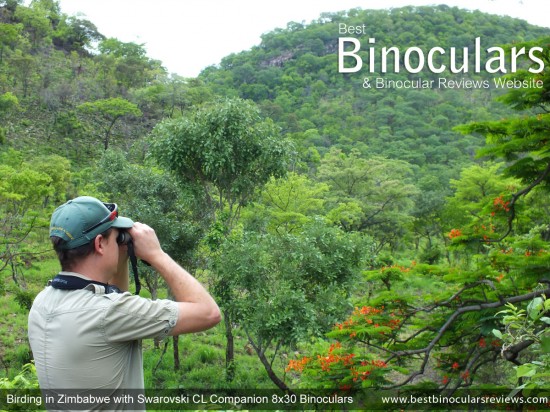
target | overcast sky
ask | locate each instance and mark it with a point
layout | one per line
(189, 35)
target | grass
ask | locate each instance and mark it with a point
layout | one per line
(14, 345)
(202, 364)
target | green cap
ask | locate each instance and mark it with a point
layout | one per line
(80, 220)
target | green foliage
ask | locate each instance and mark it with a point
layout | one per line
(372, 195)
(73, 33)
(287, 204)
(522, 141)
(110, 110)
(25, 379)
(528, 326)
(282, 289)
(8, 101)
(225, 149)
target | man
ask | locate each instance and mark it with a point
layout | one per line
(85, 328)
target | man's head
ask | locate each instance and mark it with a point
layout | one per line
(75, 224)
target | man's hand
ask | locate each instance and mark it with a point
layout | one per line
(146, 244)
(197, 310)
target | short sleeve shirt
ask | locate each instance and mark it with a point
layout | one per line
(86, 339)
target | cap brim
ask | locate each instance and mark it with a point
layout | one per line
(123, 223)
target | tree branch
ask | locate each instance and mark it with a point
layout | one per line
(461, 310)
(515, 198)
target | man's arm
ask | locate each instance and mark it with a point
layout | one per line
(197, 309)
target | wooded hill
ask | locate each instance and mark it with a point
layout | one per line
(279, 180)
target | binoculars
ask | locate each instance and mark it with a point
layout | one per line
(123, 237)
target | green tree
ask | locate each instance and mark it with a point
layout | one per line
(522, 140)
(9, 34)
(8, 103)
(23, 68)
(225, 152)
(224, 149)
(129, 63)
(372, 195)
(26, 189)
(109, 111)
(35, 22)
(73, 33)
(286, 204)
(288, 287)
(479, 201)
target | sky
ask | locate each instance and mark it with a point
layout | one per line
(190, 35)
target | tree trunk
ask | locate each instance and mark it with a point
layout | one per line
(229, 349)
(274, 378)
(175, 340)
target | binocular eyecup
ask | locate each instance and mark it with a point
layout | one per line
(123, 237)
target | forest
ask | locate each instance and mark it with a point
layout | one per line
(387, 239)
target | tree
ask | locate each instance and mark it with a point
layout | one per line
(110, 110)
(9, 34)
(23, 68)
(478, 201)
(224, 152)
(73, 33)
(288, 287)
(25, 190)
(35, 22)
(129, 62)
(286, 205)
(8, 103)
(372, 195)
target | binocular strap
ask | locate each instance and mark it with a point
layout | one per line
(133, 261)
(73, 282)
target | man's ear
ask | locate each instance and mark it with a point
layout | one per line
(99, 244)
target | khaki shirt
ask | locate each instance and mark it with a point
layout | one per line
(86, 339)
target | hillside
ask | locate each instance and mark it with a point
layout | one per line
(48, 64)
(293, 76)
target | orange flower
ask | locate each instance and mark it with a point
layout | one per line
(499, 203)
(379, 363)
(336, 345)
(455, 233)
(297, 365)
(455, 365)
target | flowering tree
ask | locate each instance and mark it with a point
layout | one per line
(444, 325)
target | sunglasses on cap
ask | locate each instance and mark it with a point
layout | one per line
(113, 208)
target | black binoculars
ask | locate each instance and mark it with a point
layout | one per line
(123, 237)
